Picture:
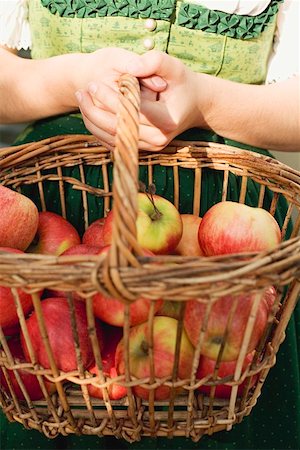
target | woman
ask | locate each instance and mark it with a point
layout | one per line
(219, 71)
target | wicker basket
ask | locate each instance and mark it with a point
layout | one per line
(126, 274)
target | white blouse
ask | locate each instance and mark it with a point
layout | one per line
(284, 61)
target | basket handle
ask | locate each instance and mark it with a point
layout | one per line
(124, 247)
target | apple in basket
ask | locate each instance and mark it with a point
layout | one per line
(29, 380)
(230, 227)
(54, 235)
(169, 308)
(159, 224)
(189, 242)
(9, 317)
(194, 320)
(57, 320)
(80, 249)
(112, 336)
(112, 310)
(164, 343)
(18, 219)
(93, 235)
(226, 370)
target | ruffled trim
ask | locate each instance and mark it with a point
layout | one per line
(233, 25)
(127, 8)
(14, 26)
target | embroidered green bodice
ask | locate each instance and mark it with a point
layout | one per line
(228, 45)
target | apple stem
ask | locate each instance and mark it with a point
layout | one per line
(150, 192)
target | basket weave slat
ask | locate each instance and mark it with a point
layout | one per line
(127, 274)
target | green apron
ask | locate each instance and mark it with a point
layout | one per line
(274, 422)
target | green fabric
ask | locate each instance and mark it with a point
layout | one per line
(274, 423)
(190, 15)
(201, 49)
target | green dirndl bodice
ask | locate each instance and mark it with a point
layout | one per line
(274, 423)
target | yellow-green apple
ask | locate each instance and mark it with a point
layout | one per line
(9, 317)
(194, 319)
(231, 227)
(164, 342)
(158, 224)
(93, 235)
(189, 242)
(112, 311)
(54, 235)
(57, 319)
(112, 336)
(225, 371)
(169, 308)
(29, 380)
(18, 219)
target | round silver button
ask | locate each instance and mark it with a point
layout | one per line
(149, 43)
(150, 24)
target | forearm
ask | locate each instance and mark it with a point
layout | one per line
(265, 116)
(34, 89)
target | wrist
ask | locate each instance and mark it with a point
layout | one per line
(205, 100)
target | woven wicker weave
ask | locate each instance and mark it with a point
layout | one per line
(126, 274)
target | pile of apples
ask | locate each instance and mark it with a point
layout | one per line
(226, 228)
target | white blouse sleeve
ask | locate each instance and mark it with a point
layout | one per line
(284, 61)
(14, 26)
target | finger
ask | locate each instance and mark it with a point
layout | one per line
(104, 120)
(154, 83)
(104, 96)
(153, 63)
(106, 139)
(148, 94)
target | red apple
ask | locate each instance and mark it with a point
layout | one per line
(57, 319)
(18, 220)
(226, 369)
(54, 235)
(217, 321)
(230, 227)
(112, 336)
(189, 243)
(29, 380)
(107, 228)
(93, 235)
(111, 310)
(9, 317)
(164, 342)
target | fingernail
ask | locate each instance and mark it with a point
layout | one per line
(78, 95)
(92, 88)
(159, 82)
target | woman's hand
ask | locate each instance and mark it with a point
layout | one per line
(163, 116)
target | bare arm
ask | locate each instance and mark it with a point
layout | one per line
(266, 116)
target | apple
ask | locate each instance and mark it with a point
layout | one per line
(226, 369)
(112, 311)
(107, 228)
(57, 319)
(194, 320)
(189, 242)
(159, 224)
(164, 342)
(9, 317)
(112, 336)
(169, 308)
(54, 235)
(230, 227)
(18, 220)
(93, 235)
(29, 380)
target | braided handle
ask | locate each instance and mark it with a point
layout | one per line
(125, 247)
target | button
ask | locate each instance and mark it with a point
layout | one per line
(150, 24)
(149, 43)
